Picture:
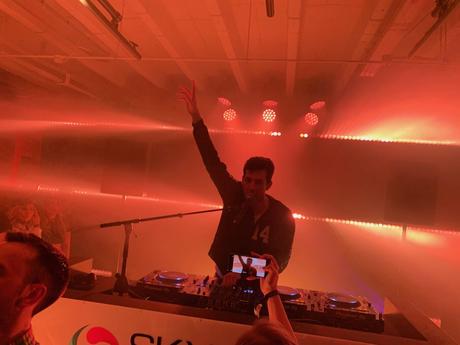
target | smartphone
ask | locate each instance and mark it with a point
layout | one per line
(248, 266)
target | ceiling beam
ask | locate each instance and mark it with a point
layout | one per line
(93, 27)
(383, 16)
(24, 17)
(293, 29)
(160, 35)
(24, 20)
(29, 69)
(343, 61)
(13, 67)
(40, 76)
(384, 28)
(441, 18)
(225, 40)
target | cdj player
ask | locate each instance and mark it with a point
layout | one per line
(332, 309)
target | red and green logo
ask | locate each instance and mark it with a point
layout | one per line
(94, 335)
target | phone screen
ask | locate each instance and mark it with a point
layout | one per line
(249, 266)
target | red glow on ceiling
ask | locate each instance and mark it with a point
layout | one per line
(318, 105)
(311, 119)
(269, 115)
(270, 103)
(230, 114)
(224, 101)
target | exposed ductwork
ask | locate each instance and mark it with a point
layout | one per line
(112, 23)
(441, 11)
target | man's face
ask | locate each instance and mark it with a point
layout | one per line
(26, 212)
(14, 259)
(255, 184)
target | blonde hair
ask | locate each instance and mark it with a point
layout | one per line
(265, 332)
(14, 211)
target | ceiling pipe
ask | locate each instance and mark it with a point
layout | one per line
(442, 13)
(256, 59)
(112, 25)
(116, 16)
(270, 7)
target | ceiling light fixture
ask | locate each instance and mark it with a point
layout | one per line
(311, 119)
(112, 24)
(224, 101)
(318, 105)
(270, 6)
(269, 115)
(230, 114)
(270, 103)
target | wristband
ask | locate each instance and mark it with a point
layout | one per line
(258, 306)
(271, 294)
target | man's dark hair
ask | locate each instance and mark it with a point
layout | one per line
(49, 267)
(260, 163)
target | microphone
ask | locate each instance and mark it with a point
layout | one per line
(244, 208)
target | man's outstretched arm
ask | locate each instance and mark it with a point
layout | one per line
(224, 182)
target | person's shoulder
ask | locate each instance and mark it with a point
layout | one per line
(278, 205)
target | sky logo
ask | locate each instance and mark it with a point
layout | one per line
(95, 335)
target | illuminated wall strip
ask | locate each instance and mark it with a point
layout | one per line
(353, 222)
(31, 125)
(12, 125)
(375, 225)
(389, 140)
(295, 215)
(240, 131)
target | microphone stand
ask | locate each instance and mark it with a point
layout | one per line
(121, 283)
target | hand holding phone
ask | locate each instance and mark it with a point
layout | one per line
(270, 282)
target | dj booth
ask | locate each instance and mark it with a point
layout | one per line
(175, 308)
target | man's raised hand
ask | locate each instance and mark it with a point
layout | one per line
(188, 96)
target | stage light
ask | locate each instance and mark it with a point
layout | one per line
(303, 135)
(230, 114)
(275, 134)
(224, 101)
(270, 103)
(318, 105)
(269, 115)
(311, 119)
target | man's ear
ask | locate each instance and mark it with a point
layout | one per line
(32, 295)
